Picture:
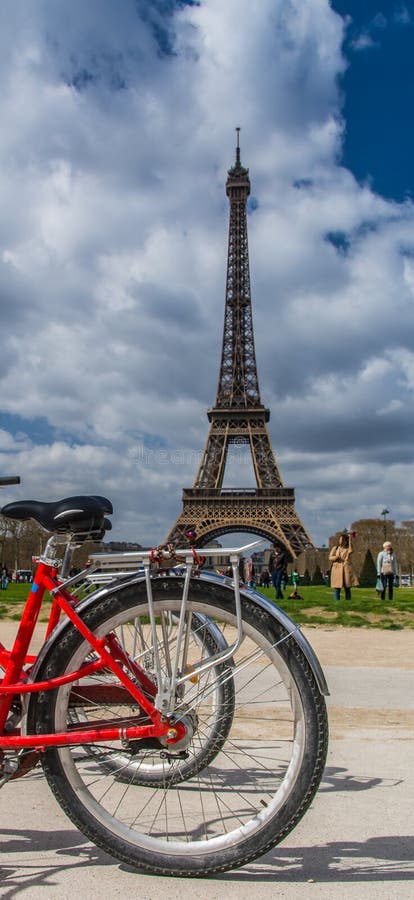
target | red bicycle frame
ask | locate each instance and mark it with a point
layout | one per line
(17, 665)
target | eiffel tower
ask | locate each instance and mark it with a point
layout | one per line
(239, 417)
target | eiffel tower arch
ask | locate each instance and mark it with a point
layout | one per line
(239, 418)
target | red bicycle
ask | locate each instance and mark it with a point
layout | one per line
(179, 719)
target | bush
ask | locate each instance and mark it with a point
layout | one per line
(317, 576)
(306, 579)
(368, 574)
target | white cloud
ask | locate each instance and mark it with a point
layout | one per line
(364, 41)
(402, 15)
(113, 243)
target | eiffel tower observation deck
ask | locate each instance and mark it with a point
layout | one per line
(239, 418)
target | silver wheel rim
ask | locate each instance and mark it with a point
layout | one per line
(234, 797)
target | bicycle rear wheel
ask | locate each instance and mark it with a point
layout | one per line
(252, 786)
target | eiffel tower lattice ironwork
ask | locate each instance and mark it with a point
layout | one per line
(239, 417)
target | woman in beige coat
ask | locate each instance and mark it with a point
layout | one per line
(342, 573)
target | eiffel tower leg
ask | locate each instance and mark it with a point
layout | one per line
(213, 463)
(291, 533)
(178, 533)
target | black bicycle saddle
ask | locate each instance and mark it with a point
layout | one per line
(77, 515)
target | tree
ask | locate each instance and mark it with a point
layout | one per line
(368, 574)
(317, 576)
(19, 542)
(306, 579)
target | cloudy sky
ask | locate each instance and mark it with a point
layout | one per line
(117, 130)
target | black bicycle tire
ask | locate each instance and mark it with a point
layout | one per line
(260, 841)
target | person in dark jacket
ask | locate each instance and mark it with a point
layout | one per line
(277, 568)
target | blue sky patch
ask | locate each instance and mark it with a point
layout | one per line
(340, 240)
(37, 430)
(378, 94)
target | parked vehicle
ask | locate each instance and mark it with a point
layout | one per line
(22, 575)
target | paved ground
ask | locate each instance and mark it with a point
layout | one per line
(356, 841)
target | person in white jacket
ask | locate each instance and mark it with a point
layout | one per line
(387, 569)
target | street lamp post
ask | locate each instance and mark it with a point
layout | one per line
(385, 514)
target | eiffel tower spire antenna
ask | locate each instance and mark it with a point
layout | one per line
(238, 146)
(239, 416)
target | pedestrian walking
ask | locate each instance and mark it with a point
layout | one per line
(4, 578)
(387, 569)
(277, 568)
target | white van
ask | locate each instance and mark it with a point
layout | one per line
(22, 575)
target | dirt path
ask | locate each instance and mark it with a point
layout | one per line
(371, 647)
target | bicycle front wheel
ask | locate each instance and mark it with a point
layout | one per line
(258, 774)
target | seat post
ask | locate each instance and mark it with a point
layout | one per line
(67, 558)
(50, 552)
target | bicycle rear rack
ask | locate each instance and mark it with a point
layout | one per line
(107, 566)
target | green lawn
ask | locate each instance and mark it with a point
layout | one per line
(12, 601)
(365, 609)
(316, 608)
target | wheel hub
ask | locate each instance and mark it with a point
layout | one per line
(187, 720)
